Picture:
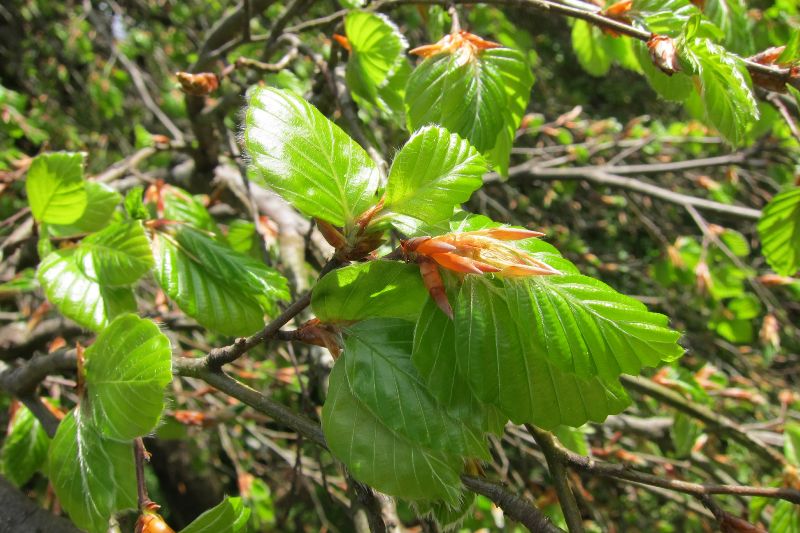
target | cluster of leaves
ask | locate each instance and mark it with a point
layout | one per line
(409, 403)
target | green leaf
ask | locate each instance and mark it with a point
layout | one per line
(306, 158)
(591, 52)
(25, 448)
(134, 204)
(230, 516)
(669, 17)
(378, 456)
(243, 237)
(436, 359)
(731, 17)
(23, 282)
(573, 439)
(55, 188)
(78, 297)
(517, 81)
(377, 52)
(117, 255)
(684, 434)
(779, 230)
(791, 446)
(431, 174)
(373, 289)
(377, 359)
(727, 97)
(736, 242)
(587, 328)
(127, 369)
(676, 88)
(181, 206)
(92, 477)
(511, 364)
(461, 92)
(791, 53)
(102, 200)
(786, 518)
(226, 291)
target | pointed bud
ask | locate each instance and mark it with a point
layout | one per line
(343, 42)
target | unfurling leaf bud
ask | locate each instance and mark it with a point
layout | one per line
(199, 84)
(770, 331)
(663, 53)
(151, 522)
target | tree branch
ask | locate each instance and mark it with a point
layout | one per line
(558, 473)
(528, 170)
(714, 420)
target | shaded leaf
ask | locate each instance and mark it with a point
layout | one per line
(224, 290)
(55, 188)
(127, 369)
(306, 158)
(377, 359)
(92, 477)
(676, 88)
(378, 456)
(785, 518)
(25, 448)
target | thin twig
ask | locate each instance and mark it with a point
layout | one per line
(140, 456)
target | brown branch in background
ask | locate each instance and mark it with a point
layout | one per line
(558, 474)
(529, 170)
(716, 421)
(777, 103)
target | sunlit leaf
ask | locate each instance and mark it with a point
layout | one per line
(127, 369)
(431, 174)
(55, 187)
(101, 203)
(779, 229)
(369, 290)
(117, 255)
(306, 158)
(79, 297)
(230, 516)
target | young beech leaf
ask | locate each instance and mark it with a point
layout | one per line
(505, 364)
(127, 369)
(181, 206)
(117, 255)
(377, 360)
(79, 297)
(729, 102)
(92, 477)
(461, 92)
(55, 188)
(376, 49)
(435, 357)
(306, 158)
(677, 87)
(226, 291)
(434, 172)
(369, 290)
(101, 201)
(229, 516)
(779, 229)
(25, 448)
(383, 458)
